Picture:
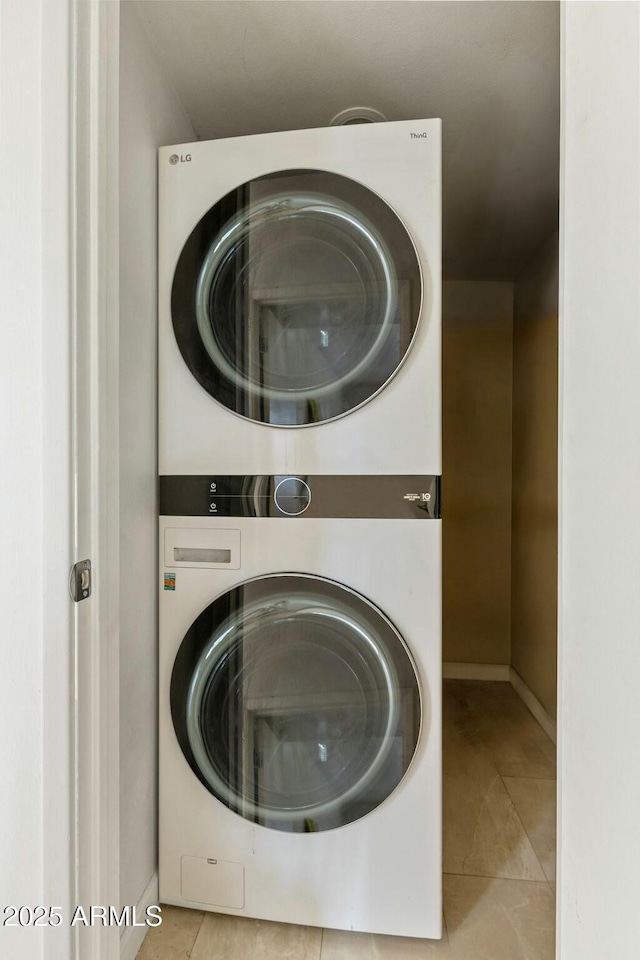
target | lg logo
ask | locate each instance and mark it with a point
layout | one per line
(174, 158)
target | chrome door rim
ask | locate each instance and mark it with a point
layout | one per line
(273, 210)
(235, 800)
(197, 691)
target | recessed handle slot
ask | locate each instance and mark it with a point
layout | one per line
(201, 555)
(213, 547)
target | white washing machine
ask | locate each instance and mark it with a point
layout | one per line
(300, 710)
(299, 302)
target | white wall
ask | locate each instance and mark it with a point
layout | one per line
(35, 608)
(150, 115)
(599, 623)
(21, 470)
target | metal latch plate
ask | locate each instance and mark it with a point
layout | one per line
(80, 581)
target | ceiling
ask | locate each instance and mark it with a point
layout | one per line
(490, 70)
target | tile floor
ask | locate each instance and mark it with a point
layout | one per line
(499, 856)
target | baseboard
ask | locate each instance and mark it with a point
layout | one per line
(530, 700)
(132, 937)
(475, 671)
(502, 671)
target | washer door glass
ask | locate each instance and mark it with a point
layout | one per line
(296, 703)
(296, 297)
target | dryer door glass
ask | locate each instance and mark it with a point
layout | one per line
(296, 297)
(296, 703)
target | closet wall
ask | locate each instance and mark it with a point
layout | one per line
(150, 115)
(477, 326)
(500, 473)
(534, 533)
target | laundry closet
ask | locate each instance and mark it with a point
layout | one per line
(490, 71)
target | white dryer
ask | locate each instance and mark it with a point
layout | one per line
(300, 710)
(299, 302)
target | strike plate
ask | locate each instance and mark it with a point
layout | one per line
(80, 581)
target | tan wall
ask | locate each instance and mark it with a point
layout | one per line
(477, 375)
(535, 477)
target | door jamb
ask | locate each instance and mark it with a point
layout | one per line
(95, 413)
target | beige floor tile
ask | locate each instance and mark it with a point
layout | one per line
(491, 717)
(498, 919)
(464, 754)
(483, 835)
(174, 938)
(342, 945)
(223, 937)
(535, 802)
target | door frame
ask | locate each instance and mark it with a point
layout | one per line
(96, 91)
(94, 253)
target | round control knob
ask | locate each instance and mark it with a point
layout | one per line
(292, 496)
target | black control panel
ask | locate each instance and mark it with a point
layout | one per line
(323, 495)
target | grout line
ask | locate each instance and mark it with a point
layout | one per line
(321, 943)
(195, 939)
(524, 829)
(484, 876)
(520, 776)
(445, 924)
(510, 776)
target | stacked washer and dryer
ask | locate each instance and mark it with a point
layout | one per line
(300, 532)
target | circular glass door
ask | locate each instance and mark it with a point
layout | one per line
(296, 703)
(296, 297)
